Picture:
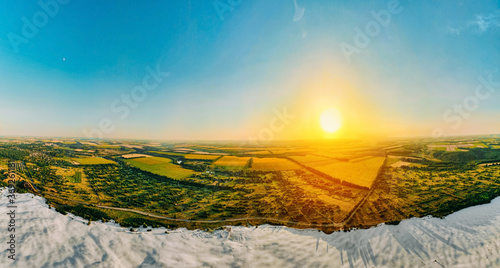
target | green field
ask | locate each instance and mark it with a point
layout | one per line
(108, 146)
(161, 166)
(167, 153)
(92, 161)
(352, 185)
(77, 178)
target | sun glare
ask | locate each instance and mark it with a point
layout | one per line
(330, 120)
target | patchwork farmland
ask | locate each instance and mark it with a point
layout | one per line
(308, 185)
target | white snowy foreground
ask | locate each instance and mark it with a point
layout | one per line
(46, 238)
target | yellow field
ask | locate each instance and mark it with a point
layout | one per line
(317, 160)
(4, 163)
(235, 149)
(363, 158)
(232, 162)
(202, 156)
(161, 166)
(334, 155)
(288, 151)
(258, 152)
(360, 173)
(273, 164)
(92, 161)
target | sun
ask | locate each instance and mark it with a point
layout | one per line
(330, 120)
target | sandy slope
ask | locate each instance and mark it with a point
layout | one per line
(468, 238)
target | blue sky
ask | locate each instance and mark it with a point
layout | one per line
(229, 66)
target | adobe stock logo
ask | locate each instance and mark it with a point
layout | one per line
(127, 102)
(460, 111)
(276, 125)
(372, 29)
(226, 6)
(30, 28)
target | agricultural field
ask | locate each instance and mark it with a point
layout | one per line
(289, 151)
(361, 173)
(258, 153)
(182, 150)
(455, 147)
(400, 164)
(188, 154)
(303, 185)
(232, 162)
(161, 166)
(92, 161)
(129, 156)
(201, 156)
(336, 155)
(72, 175)
(361, 159)
(273, 164)
(408, 192)
(4, 164)
(75, 184)
(391, 159)
(167, 153)
(316, 159)
(480, 145)
(341, 198)
(107, 146)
